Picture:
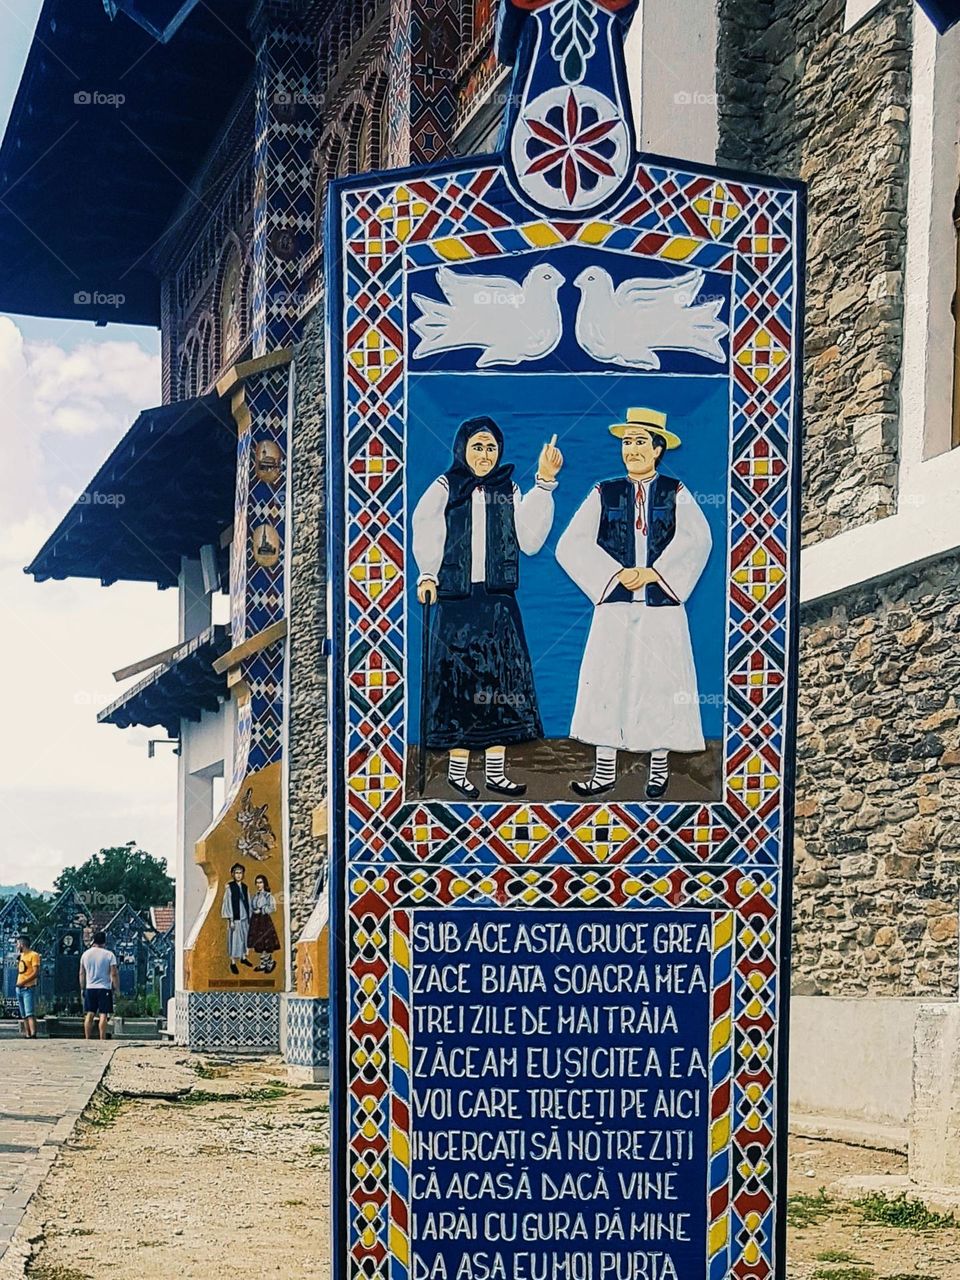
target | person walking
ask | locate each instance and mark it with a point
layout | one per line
(28, 981)
(99, 979)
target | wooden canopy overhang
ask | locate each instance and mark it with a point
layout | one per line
(108, 129)
(165, 491)
(182, 689)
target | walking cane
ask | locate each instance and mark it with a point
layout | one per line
(424, 669)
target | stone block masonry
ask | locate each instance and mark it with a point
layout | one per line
(877, 858)
(307, 743)
(799, 96)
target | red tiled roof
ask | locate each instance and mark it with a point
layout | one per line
(161, 918)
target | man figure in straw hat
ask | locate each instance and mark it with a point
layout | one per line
(637, 547)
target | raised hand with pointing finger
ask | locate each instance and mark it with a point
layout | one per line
(551, 460)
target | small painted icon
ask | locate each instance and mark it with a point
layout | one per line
(266, 461)
(265, 542)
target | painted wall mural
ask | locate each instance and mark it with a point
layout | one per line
(563, 434)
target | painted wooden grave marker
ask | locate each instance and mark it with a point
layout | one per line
(564, 413)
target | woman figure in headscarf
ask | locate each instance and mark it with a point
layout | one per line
(468, 531)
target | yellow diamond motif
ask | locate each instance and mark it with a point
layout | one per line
(717, 208)
(402, 212)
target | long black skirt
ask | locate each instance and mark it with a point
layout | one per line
(480, 690)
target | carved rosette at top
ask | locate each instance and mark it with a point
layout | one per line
(569, 133)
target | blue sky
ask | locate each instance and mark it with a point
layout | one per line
(69, 391)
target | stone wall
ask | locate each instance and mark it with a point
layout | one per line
(877, 859)
(800, 97)
(307, 736)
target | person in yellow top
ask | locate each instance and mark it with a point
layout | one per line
(28, 981)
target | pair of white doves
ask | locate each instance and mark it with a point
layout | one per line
(512, 322)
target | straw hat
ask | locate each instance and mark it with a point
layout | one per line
(646, 418)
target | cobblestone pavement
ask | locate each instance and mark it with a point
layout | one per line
(44, 1085)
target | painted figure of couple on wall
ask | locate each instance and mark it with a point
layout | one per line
(635, 547)
(249, 921)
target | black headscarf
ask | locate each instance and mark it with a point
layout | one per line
(461, 479)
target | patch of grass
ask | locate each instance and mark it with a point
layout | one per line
(323, 1109)
(911, 1275)
(835, 1255)
(292, 1204)
(901, 1211)
(49, 1271)
(844, 1273)
(197, 1097)
(807, 1211)
(268, 1093)
(317, 1150)
(103, 1109)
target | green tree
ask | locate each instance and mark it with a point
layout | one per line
(124, 872)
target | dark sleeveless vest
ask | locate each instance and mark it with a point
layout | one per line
(617, 532)
(238, 891)
(503, 550)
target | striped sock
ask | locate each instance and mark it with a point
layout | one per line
(659, 767)
(457, 768)
(495, 759)
(605, 770)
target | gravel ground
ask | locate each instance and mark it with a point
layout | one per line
(197, 1177)
(835, 1241)
(230, 1178)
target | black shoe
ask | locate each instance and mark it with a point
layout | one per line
(247, 963)
(233, 968)
(464, 788)
(655, 790)
(506, 787)
(591, 788)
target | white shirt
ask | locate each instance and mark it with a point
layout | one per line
(96, 963)
(595, 571)
(533, 518)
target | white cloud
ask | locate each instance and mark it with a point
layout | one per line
(68, 785)
(94, 387)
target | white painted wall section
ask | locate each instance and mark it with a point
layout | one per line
(671, 55)
(206, 749)
(852, 1057)
(194, 601)
(857, 10)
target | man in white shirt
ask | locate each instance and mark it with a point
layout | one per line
(99, 979)
(637, 547)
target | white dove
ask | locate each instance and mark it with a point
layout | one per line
(629, 324)
(510, 322)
